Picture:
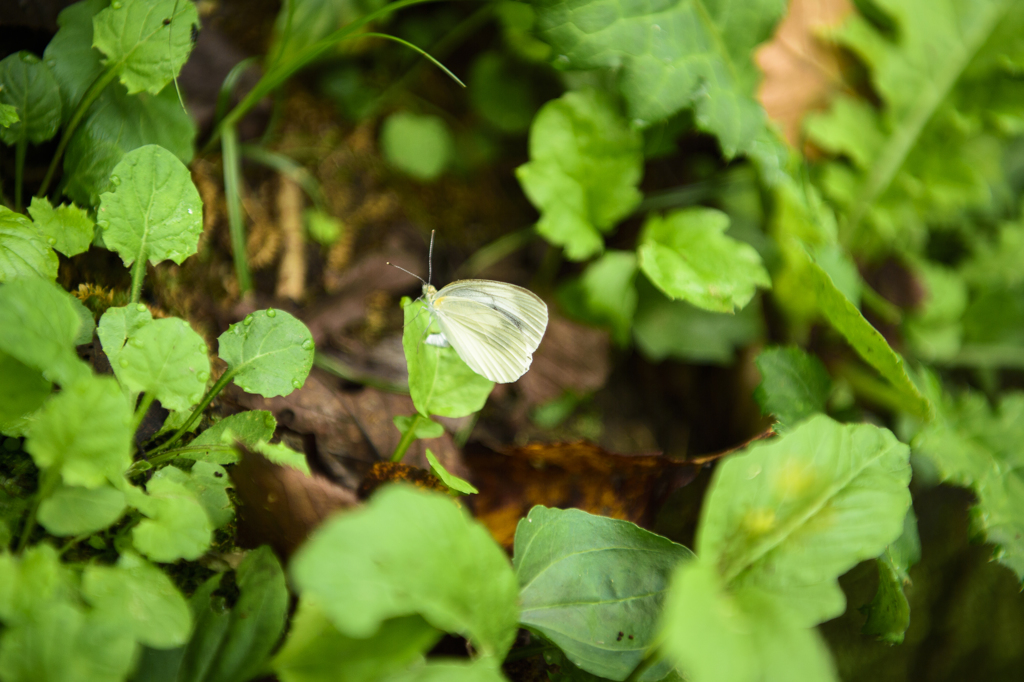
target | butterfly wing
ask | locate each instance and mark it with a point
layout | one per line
(494, 327)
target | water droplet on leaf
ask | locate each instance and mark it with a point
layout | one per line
(51, 241)
(203, 376)
(296, 383)
(141, 307)
(115, 181)
(271, 312)
(248, 320)
(307, 344)
(195, 398)
(136, 342)
(123, 362)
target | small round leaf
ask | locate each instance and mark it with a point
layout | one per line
(269, 353)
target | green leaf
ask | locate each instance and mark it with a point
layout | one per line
(410, 551)
(87, 322)
(178, 526)
(25, 391)
(794, 384)
(116, 325)
(209, 482)
(483, 669)
(425, 428)
(70, 54)
(255, 623)
(865, 339)
(323, 227)
(888, 614)
(40, 327)
(420, 146)
(24, 252)
(29, 87)
(687, 255)
(154, 212)
(605, 294)
(168, 359)
(145, 41)
(675, 329)
(141, 596)
(585, 165)
(282, 455)
(594, 586)
(249, 427)
(941, 72)
(715, 636)
(74, 510)
(67, 228)
(439, 381)
(788, 516)
(269, 352)
(316, 652)
(451, 480)
(117, 123)
(8, 115)
(670, 55)
(501, 91)
(84, 432)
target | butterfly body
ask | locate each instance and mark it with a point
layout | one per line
(495, 327)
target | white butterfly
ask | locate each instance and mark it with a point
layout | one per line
(494, 327)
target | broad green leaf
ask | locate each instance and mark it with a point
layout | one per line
(168, 359)
(70, 55)
(116, 325)
(269, 352)
(483, 669)
(675, 329)
(229, 644)
(25, 390)
(30, 88)
(249, 427)
(87, 323)
(794, 384)
(888, 614)
(594, 586)
(687, 255)
(316, 652)
(74, 510)
(8, 115)
(440, 383)
(788, 516)
(154, 212)
(177, 526)
(865, 339)
(939, 70)
(67, 228)
(209, 482)
(115, 124)
(605, 294)
(934, 331)
(24, 251)
(670, 55)
(31, 580)
(84, 432)
(453, 482)
(141, 596)
(585, 165)
(40, 327)
(145, 41)
(420, 146)
(501, 91)
(425, 428)
(410, 551)
(715, 636)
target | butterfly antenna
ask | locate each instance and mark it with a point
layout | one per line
(430, 259)
(406, 271)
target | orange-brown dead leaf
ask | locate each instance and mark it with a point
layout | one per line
(802, 69)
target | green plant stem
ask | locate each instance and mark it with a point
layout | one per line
(228, 86)
(48, 481)
(19, 170)
(138, 276)
(233, 197)
(872, 388)
(87, 99)
(288, 167)
(142, 409)
(196, 413)
(279, 73)
(167, 455)
(407, 438)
